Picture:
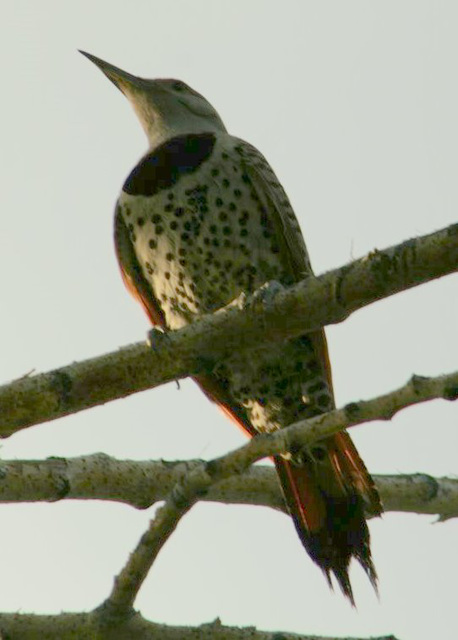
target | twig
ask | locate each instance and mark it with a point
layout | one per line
(312, 303)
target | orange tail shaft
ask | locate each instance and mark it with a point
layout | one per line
(327, 495)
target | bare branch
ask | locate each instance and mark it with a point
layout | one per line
(419, 493)
(143, 483)
(182, 497)
(137, 483)
(197, 482)
(94, 625)
(312, 303)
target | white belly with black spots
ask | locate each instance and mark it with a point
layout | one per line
(203, 241)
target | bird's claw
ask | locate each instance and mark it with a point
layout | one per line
(154, 337)
(265, 295)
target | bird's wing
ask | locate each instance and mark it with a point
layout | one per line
(346, 460)
(326, 506)
(272, 196)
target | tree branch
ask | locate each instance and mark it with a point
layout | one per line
(143, 483)
(312, 303)
(197, 482)
(92, 626)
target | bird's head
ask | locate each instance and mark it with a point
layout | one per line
(165, 107)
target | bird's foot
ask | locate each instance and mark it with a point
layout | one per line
(264, 297)
(240, 302)
(155, 337)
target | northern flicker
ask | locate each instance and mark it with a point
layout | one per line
(201, 219)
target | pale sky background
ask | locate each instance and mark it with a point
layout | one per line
(355, 105)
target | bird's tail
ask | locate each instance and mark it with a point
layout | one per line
(327, 494)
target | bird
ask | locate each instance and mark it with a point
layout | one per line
(200, 220)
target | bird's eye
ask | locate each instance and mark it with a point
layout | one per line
(179, 86)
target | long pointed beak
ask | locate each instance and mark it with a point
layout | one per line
(123, 80)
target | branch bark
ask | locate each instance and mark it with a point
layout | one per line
(140, 484)
(94, 626)
(312, 303)
(197, 482)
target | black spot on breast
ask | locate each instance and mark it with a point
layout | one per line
(244, 218)
(323, 399)
(163, 167)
